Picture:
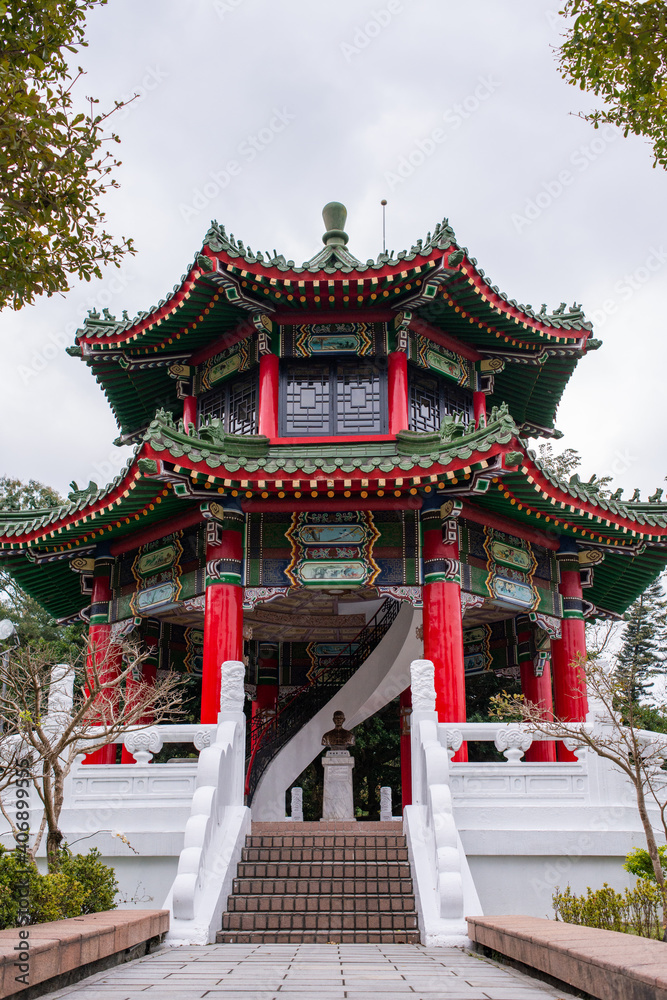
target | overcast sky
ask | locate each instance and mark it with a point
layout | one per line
(444, 109)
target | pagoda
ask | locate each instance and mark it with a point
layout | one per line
(318, 447)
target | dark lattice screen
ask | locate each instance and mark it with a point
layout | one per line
(242, 410)
(234, 403)
(431, 398)
(333, 397)
(307, 400)
(424, 403)
(358, 400)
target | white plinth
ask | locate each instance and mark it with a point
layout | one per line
(337, 800)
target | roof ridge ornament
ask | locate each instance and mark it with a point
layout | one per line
(334, 214)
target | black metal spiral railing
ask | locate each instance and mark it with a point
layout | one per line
(265, 737)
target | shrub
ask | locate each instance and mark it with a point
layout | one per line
(97, 879)
(55, 897)
(82, 885)
(638, 862)
(636, 911)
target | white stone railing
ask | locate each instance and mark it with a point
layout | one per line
(144, 743)
(144, 783)
(514, 778)
(216, 830)
(443, 885)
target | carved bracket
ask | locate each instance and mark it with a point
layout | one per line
(513, 743)
(202, 739)
(261, 595)
(143, 744)
(470, 601)
(552, 626)
(454, 741)
(411, 594)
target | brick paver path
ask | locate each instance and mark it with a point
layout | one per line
(305, 971)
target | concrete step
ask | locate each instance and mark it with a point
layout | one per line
(322, 882)
(313, 886)
(320, 827)
(317, 937)
(319, 921)
(323, 869)
(328, 903)
(307, 854)
(345, 840)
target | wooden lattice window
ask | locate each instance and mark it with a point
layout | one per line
(432, 398)
(234, 403)
(332, 397)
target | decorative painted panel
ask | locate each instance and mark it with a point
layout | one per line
(236, 359)
(341, 548)
(334, 549)
(157, 571)
(307, 340)
(512, 572)
(427, 354)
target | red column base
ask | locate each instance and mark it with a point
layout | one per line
(223, 640)
(443, 645)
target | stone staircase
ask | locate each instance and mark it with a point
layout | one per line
(322, 882)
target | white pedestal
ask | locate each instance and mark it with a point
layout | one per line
(337, 800)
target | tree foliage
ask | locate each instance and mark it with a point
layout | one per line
(35, 626)
(617, 49)
(53, 165)
(563, 465)
(642, 655)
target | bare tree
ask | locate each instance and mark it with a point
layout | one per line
(638, 753)
(52, 714)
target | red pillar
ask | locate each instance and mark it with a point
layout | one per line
(405, 711)
(148, 675)
(479, 408)
(398, 392)
(569, 652)
(223, 615)
(189, 412)
(268, 395)
(268, 667)
(443, 629)
(538, 690)
(101, 655)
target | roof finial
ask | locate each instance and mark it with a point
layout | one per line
(334, 215)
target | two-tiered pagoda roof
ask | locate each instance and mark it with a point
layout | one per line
(435, 292)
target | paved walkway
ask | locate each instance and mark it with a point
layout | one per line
(305, 971)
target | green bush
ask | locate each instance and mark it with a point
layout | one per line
(638, 862)
(636, 911)
(98, 880)
(82, 885)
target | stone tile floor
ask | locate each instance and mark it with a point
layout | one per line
(303, 971)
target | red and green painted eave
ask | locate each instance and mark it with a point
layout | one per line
(173, 473)
(437, 282)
